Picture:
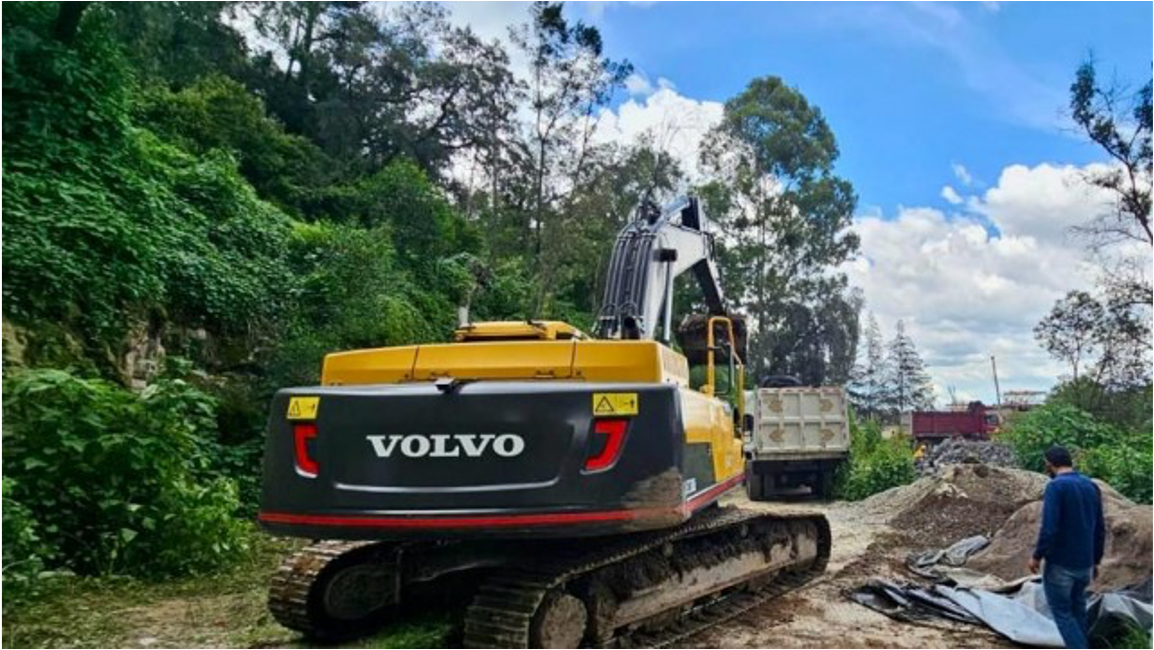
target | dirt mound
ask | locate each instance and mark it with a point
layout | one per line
(955, 502)
(1128, 542)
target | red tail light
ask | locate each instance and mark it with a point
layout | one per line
(613, 432)
(302, 434)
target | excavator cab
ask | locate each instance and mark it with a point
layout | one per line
(729, 386)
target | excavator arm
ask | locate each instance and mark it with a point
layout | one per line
(649, 253)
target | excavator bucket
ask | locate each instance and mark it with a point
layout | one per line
(693, 337)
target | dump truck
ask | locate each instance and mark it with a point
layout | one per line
(799, 437)
(565, 486)
(976, 422)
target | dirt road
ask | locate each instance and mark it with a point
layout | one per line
(820, 616)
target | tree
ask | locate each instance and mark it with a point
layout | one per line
(618, 180)
(1111, 342)
(787, 219)
(1105, 336)
(908, 386)
(1120, 122)
(569, 81)
(68, 21)
(1068, 332)
(178, 43)
(867, 388)
(373, 86)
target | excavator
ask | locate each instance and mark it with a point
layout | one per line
(564, 486)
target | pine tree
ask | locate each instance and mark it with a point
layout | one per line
(907, 386)
(867, 387)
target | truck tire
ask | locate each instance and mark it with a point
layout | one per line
(824, 488)
(755, 484)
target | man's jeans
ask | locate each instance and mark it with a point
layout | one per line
(1066, 595)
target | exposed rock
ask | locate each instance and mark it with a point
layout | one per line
(143, 357)
(960, 450)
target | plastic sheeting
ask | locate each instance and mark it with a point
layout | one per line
(909, 603)
(955, 555)
(1020, 614)
(1016, 617)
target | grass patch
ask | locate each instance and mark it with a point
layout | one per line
(426, 631)
(227, 609)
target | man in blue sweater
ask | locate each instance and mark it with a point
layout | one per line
(1071, 541)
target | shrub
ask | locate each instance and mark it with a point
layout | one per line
(1124, 460)
(1126, 409)
(1034, 432)
(24, 551)
(875, 463)
(351, 293)
(121, 482)
(1126, 465)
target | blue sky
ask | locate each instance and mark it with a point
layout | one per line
(951, 120)
(909, 89)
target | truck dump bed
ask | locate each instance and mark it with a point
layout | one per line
(799, 423)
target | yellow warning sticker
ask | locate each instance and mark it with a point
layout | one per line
(303, 408)
(614, 404)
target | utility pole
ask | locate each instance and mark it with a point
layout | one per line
(997, 390)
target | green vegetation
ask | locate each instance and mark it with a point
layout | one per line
(226, 609)
(24, 550)
(875, 463)
(1103, 410)
(104, 480)
(1123, 458)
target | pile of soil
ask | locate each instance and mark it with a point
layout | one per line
(1128, 542)
(956, 501)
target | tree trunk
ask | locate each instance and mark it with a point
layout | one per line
(68, 21)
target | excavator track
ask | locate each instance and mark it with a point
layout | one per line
(310, 585)
(521, 608)
(719, 611)
(627, 591)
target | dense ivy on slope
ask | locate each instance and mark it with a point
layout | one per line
(106, 223)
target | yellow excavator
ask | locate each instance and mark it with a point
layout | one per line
(564, 487)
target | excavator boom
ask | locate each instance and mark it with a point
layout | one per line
(648, 255)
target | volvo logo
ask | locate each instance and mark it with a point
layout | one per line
(471, 445)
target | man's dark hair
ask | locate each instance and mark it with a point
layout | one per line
(1059, 456)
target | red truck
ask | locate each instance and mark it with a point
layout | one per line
(977, 422)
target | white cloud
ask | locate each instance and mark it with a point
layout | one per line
(638, 84)
(1043, 202)
(963, 174)
(676, 122)
(489, 20)
(939, 14)
(951, 195)
(973, 283)
(493, 20)
(597, 8)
